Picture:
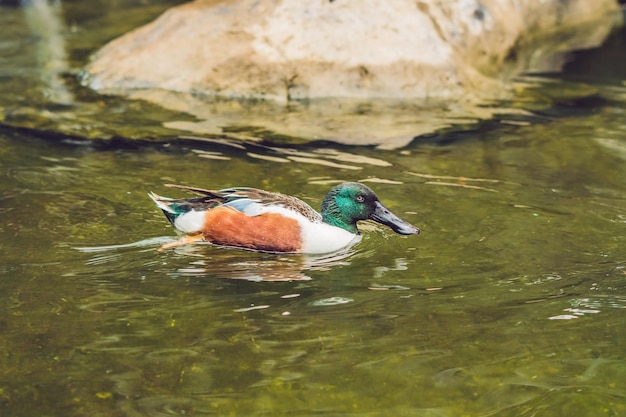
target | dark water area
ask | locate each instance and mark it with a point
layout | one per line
(510, 302)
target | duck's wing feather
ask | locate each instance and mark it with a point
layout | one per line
(251, 201)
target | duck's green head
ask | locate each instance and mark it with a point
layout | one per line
(349, 202)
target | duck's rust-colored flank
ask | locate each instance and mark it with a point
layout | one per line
(269, 232)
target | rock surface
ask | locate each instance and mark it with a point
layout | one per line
(293, 49)
(443, 51)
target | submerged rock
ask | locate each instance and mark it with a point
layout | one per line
(445, 52)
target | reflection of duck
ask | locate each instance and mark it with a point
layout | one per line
(260, 267)
(259, 220)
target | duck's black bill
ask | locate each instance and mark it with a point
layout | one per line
(382, 215)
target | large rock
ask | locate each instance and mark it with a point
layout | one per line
(443, 51)
(306, 49)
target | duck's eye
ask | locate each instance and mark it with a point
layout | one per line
(359, 199)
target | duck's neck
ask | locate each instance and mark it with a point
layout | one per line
(333, 215)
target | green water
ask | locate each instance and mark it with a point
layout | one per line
(511, 302)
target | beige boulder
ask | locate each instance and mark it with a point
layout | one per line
(431, 51)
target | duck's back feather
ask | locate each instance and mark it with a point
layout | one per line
(251, 201)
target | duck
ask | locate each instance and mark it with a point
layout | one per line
(265, 221)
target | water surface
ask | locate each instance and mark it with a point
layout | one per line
(511, 300)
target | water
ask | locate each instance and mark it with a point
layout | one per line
(510, 303)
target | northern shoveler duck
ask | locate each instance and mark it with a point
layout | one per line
(253, 219)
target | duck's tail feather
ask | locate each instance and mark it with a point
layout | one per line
(166, 206)
(186, 214)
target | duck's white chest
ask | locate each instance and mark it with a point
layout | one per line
(318, 238)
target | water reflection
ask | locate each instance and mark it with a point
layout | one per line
(586, 306)
(227, 263)
(47, 27)
(322, 155)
